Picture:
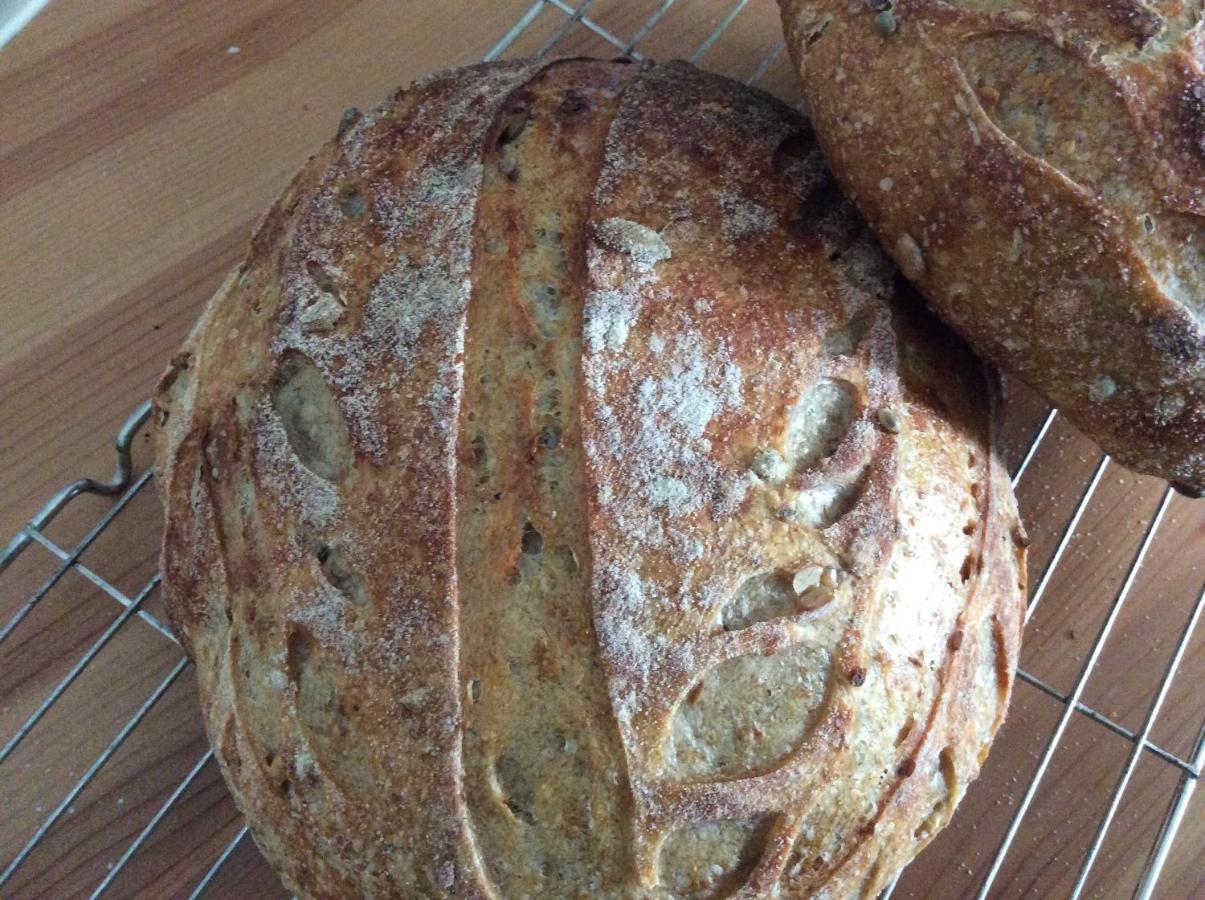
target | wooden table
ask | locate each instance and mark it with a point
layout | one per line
(139, 139)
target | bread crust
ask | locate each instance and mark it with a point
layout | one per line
(1037, 169)
(564, 498)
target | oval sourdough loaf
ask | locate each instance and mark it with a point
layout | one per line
(1038, 169)
(563, 502)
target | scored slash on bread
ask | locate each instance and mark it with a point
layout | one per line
(1038, 170)
(565, 498)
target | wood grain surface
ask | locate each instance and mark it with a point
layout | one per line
(139, 140)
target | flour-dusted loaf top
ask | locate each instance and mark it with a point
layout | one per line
(1037, 169)
(563, 500)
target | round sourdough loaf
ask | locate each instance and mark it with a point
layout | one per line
(563, 501)
(1037, 169)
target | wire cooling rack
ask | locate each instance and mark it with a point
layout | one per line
(540, 30)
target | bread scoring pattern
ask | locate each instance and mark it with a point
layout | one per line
(565, 499)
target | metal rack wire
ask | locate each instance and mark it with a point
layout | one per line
(126, 484)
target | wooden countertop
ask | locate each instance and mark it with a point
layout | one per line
(139, 140)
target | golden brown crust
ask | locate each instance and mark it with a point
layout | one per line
(1038, 170)
(564, 499)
